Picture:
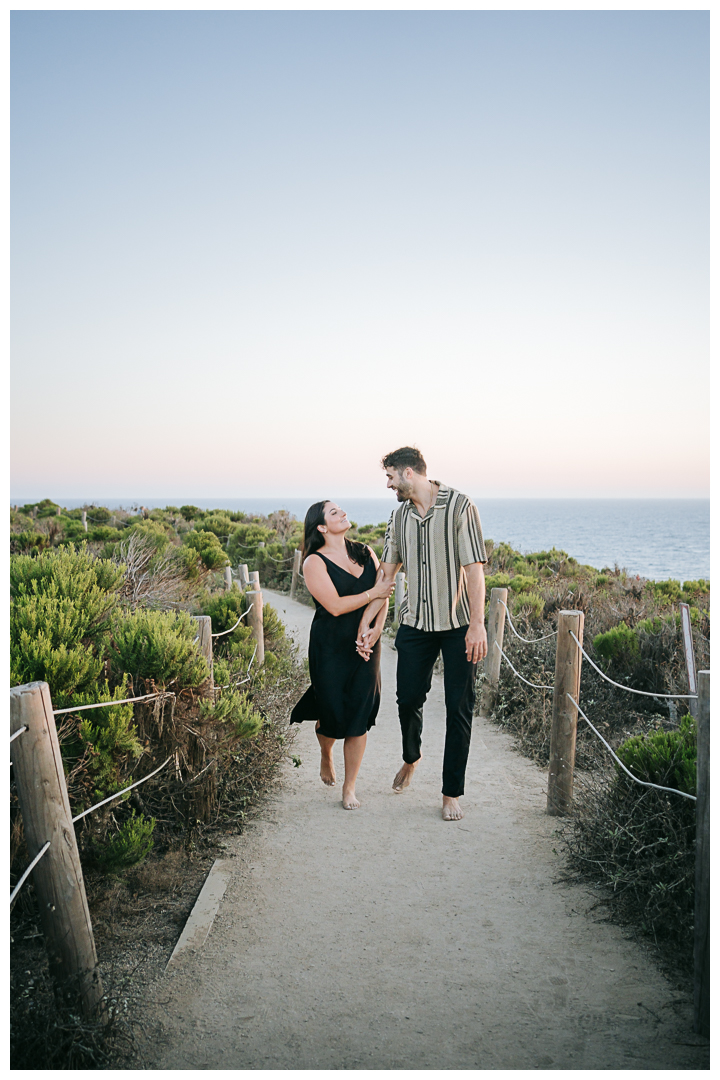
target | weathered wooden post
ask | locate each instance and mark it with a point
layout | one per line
(689, 656)
(228, 578)
(495, 633)
(701, 995)
(568, 659)
(399, 593)
(297, 560)
(254, 579)
(84, 520)
(204, 641)
(243, 576)
(255, 618)
(261, 543)
(58, 878)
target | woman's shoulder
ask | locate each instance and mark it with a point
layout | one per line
(314, 559)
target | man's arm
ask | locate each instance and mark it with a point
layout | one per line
(476, 637)
(388, 570)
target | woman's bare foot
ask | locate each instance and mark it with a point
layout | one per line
(451, 809)
(403, 778)
(327, 768)
(349, 800)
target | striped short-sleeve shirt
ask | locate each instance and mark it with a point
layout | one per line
(433, 551)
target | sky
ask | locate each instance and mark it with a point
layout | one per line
(254, 251)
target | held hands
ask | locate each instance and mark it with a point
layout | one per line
(476, 643)
(366, 639)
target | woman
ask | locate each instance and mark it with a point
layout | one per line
(344, 696)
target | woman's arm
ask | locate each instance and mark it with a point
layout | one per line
(322, 589)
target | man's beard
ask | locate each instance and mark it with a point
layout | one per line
(402, 492)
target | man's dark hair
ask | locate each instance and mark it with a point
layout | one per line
(407, 457)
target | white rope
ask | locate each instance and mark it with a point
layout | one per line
(23, 879)
(119, 793)
(285, 558)
(106, 704)
(18, 732)
(535, 686)
(221, 632)
(630, 689)
(528, 641)
(645, 783)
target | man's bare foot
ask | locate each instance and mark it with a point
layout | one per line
(349, 800)
(403, 778)
(451, 809)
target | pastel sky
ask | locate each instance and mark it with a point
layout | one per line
(254, 251)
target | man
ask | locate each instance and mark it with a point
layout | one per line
(435, 534)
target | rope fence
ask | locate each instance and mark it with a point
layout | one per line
(645, 783)
(222, 632)
(26, 875)
(121, 701)
(630, 689)
(123, 792)
(528, 641)
(536, 686)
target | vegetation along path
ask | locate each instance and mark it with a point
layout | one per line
(385, 938)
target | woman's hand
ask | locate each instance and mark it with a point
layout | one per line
(366, 640)
(383, 588)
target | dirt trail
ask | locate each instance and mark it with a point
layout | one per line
(385, 938)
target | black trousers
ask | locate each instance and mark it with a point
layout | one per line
(417, 652)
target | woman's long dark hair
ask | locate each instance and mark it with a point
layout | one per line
(314, 539)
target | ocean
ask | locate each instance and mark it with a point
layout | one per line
(655, 538)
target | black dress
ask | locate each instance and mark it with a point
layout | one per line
(345, 689)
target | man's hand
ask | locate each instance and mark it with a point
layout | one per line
(476, 643)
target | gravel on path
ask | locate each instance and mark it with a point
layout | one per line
(386, 938)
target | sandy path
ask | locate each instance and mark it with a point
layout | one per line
(386, 938)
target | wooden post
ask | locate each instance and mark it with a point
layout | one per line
(228, 578)
(701, 995)
(58, 878)
(204, 631)
(255, 620)
(254, 579)
(261, 544)
(243, 575)
(399, 593)
(568, 659)
(297, 560)
(495, 633)
(84, 520)
(689, 657)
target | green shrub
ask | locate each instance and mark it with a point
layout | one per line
(619, 645)
(520, 583)
(129, 846)
(531, 604)
(218, 523)
(225, 610)
(159, 645)
(497, 581)
(668, 758)
(207, 547)
(234, 709)
(153, 531)
(61, 603)
(668, 592)
(691, 590)
(29, 542)
(191, 513)
(601, 581)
